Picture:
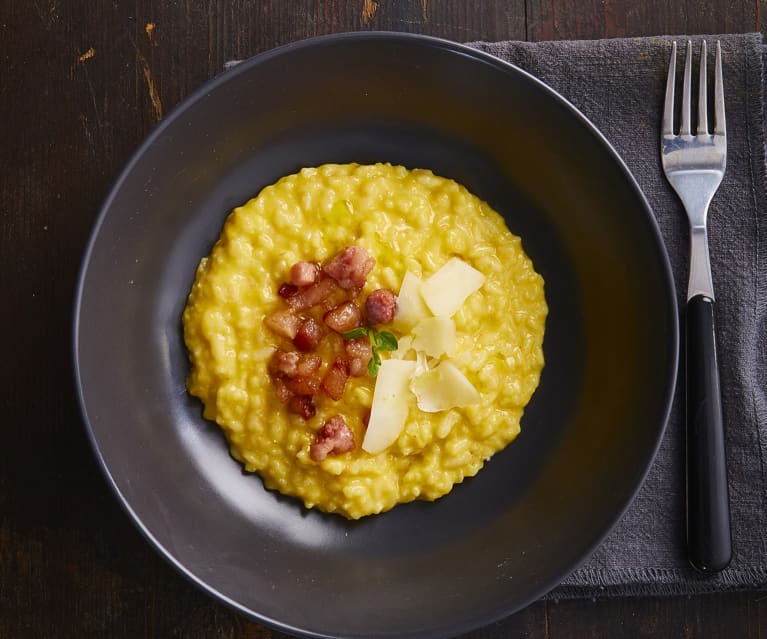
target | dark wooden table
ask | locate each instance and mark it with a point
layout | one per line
(81, 83)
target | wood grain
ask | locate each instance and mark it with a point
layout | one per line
(81, 84)
(590, 19)
(721, 615)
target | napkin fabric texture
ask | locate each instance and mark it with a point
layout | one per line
(619, 85)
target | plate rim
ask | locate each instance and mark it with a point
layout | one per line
(243, 67)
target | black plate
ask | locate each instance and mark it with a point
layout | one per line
(499, 540)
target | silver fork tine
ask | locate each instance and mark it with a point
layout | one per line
(667, 125)
(702, 93)
(719, 123)
(684, 126)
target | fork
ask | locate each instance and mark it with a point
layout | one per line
(695, 165)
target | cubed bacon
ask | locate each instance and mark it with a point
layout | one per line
(334, 382)
(313, 295)
(283, 323)
(302, 385)
(308, 364)
(350, 267)
(337, 297)
(359, 352)
(358, 366)
(302, 406)
(334, 438)
(304, 273)
(284, 363)
(282, 391)
(291, 364)
(343, 317)
(358, 347)
(309, 334)
(380, 306)
(287, 290)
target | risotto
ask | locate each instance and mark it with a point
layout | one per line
(365, 335)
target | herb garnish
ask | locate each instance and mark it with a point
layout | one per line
(379, 341)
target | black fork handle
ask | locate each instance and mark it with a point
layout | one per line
(709, 542)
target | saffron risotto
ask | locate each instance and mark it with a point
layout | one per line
(408, 220)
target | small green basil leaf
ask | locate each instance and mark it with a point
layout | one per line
(355, 333)
(386, 341)
(374, 364)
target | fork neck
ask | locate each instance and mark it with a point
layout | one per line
(700, 266)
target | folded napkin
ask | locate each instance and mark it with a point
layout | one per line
(619, 85)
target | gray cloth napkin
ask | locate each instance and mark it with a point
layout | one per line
(619, 85)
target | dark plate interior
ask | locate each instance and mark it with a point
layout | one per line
(499, 540)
